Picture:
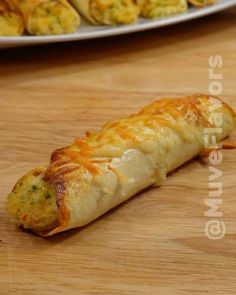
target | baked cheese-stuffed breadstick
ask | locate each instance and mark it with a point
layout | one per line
(107, 12)
(102, 170)
(161, 8)
(201, 3)
(11, 22)
(48, 17)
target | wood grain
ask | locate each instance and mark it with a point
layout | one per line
(155, 243)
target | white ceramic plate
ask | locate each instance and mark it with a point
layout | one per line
(87, 31)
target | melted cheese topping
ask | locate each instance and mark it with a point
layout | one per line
(53, 17)
(162, 8)
(142, 131)
(114, 11)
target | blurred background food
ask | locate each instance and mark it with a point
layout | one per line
(108, 12)
(47, 17)
(11, 22)
(201, 2)
(54, 17)
(161, 8)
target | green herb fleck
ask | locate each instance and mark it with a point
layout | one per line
(34, 188)
(47, 196)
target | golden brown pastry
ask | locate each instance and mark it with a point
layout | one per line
(102, 170)
(47, 17)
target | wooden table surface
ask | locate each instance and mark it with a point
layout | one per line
(155, 243)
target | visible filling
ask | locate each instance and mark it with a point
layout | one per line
(114, 11)
(53, 18)
(32, 204)
(202, 2)
(162, 8)
(10, 24)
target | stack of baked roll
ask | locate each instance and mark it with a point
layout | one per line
(50, 17)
